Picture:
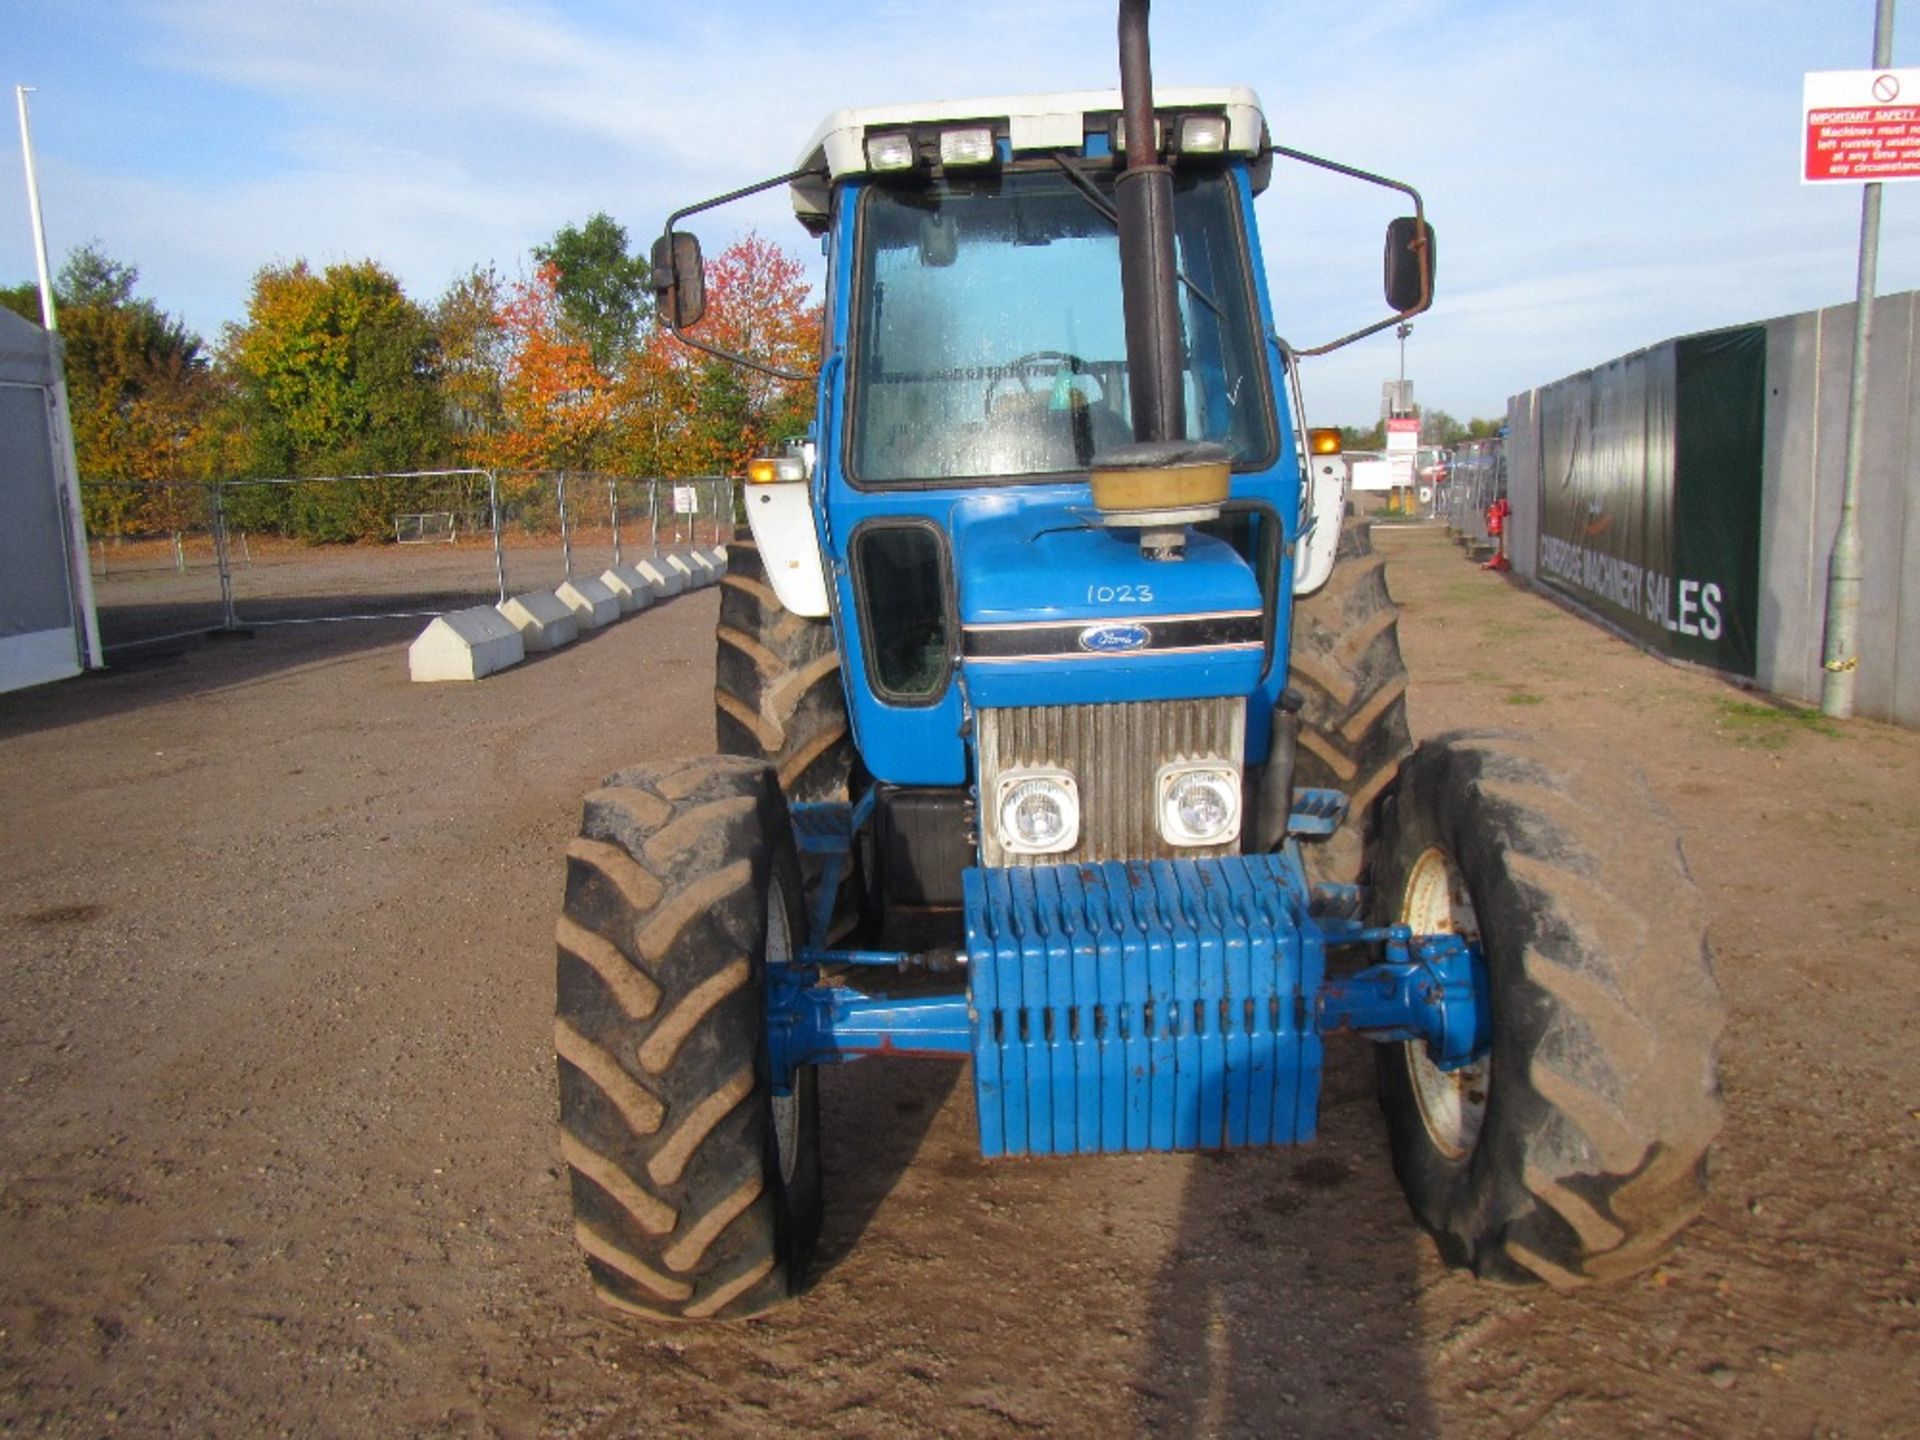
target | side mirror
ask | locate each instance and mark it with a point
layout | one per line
(1410, 267)
(679, 279)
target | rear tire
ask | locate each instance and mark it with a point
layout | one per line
(696, 1191)
(1577, 1149)
(1345, 665)
(777, 695)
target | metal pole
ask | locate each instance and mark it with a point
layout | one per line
(1840, 651)
(20, 93)
(1143, 198)
(613, 512)
(566, 531)
(499, 555)
(229, 620)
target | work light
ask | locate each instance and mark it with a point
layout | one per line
(890, 150)
(971, 146)
(1119, 141)
(1203, 135)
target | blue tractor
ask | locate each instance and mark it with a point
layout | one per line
(1063, 730)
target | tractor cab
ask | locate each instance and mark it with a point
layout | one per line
(995, 551)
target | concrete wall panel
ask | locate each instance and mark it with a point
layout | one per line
(1809, 364)
(1523, 482)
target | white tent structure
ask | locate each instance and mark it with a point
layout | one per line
(48, 629)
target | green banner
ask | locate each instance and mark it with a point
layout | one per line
(1650, 494)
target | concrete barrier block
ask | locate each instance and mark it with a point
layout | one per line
(718, 554)
(591, 601)
(632, 589)
(666, 580)
(705, 572)
(677, 564)
(544, 622)
(465, 645)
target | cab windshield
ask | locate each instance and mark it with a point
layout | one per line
(989, 340)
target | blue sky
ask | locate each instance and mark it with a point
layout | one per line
(1602, 176)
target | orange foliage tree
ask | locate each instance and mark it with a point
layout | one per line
(556, 404)
(683, 412)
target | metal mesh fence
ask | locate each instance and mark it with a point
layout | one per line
(1475, 478)
(180, 558)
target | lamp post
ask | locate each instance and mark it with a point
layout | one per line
(1400, 406)
(1840, 645)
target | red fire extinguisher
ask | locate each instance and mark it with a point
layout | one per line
(1497, 514)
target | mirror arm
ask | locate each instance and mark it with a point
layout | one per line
(1419, 215)
(776, 371)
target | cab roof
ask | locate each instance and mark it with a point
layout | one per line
(1056, 121)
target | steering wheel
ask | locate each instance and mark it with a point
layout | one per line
(1018, 367)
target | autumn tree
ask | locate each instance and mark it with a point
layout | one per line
(22, 299)
(475, 351)
(337, 373)
(689, 413)
(602, 289)
(556, 403)
(138, 390)
(92, 277)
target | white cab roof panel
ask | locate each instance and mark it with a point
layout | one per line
(1055, 121)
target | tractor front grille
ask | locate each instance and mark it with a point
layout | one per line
(1113, 753)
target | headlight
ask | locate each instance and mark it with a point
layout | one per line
(1199, 804)
(1039, 812)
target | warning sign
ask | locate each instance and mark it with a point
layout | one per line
(1403, 445)
(1860, 125)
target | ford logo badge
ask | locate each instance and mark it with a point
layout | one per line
(1114, 639)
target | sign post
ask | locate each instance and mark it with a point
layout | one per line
(1857, 130)
(1403, 448)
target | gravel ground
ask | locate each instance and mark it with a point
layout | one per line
(277, 1151)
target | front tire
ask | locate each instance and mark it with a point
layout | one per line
(696, 1190)
(1577, 1149)
(1345, 665)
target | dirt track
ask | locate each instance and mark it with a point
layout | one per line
(276, 1104)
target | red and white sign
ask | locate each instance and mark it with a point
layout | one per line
(1859, 126)
(1403, 445)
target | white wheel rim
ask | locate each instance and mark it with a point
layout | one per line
(1453, 1103)
(786, 1108)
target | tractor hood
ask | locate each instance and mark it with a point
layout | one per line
(1057, 609)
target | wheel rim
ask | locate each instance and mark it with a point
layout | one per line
(1452, 1103)
(786, 1108)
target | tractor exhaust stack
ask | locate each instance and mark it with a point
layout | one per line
(1144, 198)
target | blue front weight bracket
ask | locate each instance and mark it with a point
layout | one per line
(812, 1024)
(1433, 988)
